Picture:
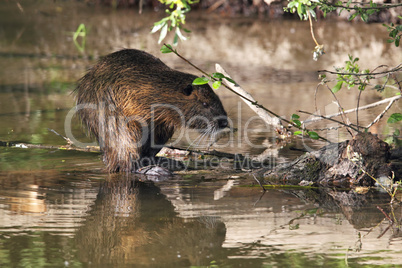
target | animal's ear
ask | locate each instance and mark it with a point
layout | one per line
(188, 90)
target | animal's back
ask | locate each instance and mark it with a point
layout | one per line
(121, 91)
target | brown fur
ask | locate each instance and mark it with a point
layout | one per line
(120, 90)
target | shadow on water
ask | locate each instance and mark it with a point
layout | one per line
(132, 222)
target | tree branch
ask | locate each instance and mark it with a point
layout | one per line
(345, 6)
(261, 112)
(244, 97)
(395, 69)
(392, 99)
(382, 114)
(330, 119)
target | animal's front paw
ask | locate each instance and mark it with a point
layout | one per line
(155, 171)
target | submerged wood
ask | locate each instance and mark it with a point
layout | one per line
(332, 165)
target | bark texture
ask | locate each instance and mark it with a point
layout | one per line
(332, 165)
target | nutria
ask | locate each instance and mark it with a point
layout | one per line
(132, 103)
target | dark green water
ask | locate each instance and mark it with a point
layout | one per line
(59, 208)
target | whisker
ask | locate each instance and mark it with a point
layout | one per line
(194, 141)
(201, 141)
(212, 138)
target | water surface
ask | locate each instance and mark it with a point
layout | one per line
(59, 208)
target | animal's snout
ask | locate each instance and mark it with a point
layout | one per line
(222, 123)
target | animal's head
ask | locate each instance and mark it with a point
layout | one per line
(205, 110)
(193, 106)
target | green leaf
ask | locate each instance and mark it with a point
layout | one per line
(313, 135)
(216, 84)
(175, 40)
(379, 88)
(300, 11)
(396, 117)
(230, 80)
(312, 12)
(337, 87)
(364, 17)
(297, 122)
(352, 16)
(218, 75)
(299, 132)
(200, 81)
(295, 116)
(291, 4)
(166, 49)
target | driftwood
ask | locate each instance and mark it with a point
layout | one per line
(274, 121)
(22, 145)
(346, 164)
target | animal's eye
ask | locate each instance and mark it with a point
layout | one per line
(206, 105)
(188, 90)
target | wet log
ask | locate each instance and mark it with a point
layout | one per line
(344, 164)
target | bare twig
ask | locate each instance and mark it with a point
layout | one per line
(315, 96)
(311, 29)
(385, 231)
(66, 139)
(330, 119)
(385, 214)
(345, 119)
(357, 108)
(395, 69)
(379, 6)
(39, 146)
(20, 7)
(262, 186)
(259, 199)
(215, 6)
(382, 113)
(318, 118)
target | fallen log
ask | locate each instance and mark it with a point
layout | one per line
(346, 164)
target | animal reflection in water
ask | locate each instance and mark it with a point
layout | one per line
(133, 222)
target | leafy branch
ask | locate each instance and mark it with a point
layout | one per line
(360, 5)
(175, 20)
(395, 33)
(362, 9)
(216, 78)
(350, 76)
(305, 10)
